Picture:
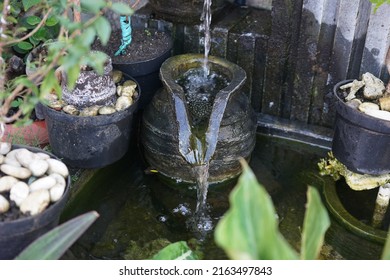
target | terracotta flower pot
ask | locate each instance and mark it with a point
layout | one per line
(34, 134)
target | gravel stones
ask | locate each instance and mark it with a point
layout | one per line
(29, 180)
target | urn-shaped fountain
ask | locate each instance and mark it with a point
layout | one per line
(201, 116)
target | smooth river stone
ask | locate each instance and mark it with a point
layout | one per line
(5, 148)
(38, 167)
(4, 204)
(43, 183)
(35, 202)
(19, 192)
(6, 183)
(56, 166)
(58, 189)
(17, 172)
(25, 157)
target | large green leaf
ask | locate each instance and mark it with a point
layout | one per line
(103, 29)
(52, 245)
(33, 20)
(27, 4)
(25, 45)
(249, 229)
(92, 6)
(176, 251)
(386, 248)
(314, 226)
(122, 9)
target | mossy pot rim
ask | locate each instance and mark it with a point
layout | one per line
(351, 223)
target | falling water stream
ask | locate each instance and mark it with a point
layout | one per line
(205, 27)
(204, 114)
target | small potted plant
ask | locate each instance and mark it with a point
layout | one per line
(138, 51)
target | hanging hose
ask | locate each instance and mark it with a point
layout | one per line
(126, 34)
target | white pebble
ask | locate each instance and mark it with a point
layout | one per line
(56, 166)
(35, 202)
(38, 167)
(366, 106)
(17, 172)
(12, 154)
(57, 191)
(42, 183)
(2, 158)
(6, 183)
(5, 147)
(4, 204)
(19, 192)
(40, 155)
(12, 161)
(25, 157)
(380, 114)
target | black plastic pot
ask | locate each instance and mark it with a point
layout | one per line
(90, 142)
(361, 142)
(18, 234)
(146, 73)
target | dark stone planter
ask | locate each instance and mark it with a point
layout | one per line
(184, 11)
(361, 142)
(160, 132)
(18, 234)
(146, 73)
(90, 142)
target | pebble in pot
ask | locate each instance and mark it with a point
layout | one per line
(29, 180)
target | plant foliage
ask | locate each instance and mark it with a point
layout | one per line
(53, 244)
(29, 23)
(176, 251)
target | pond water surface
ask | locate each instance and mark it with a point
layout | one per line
(140, 214)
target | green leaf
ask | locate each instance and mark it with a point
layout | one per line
(51, 21)
(386, 248)
(41, 34)
(16, 103)
(249, 229)
(315, 225)
(33, 20)
(93, 6)
(25, 45)
(27, 4)
(88, 36)
(49, 84)
(176, 251)
(96, 60)
(72, 75)
(103, 29)
(11, 19)
(122, 9)
(54, 244)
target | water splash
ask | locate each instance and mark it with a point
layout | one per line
(205, 28)
(201, 222)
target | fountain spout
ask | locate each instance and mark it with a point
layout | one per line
(195, 147)
(195, 122)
